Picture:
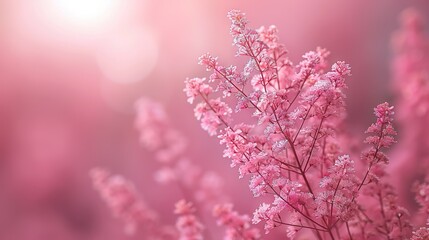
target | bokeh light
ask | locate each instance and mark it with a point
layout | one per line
(128, 56)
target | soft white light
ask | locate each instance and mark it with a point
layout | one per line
(86, 12)
(128, 56)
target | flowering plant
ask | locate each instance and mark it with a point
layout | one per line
(291, 149)
(281, 125)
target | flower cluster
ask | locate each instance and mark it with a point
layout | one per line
(382, 136)
(295, 108)
(155, 131)
(422, 197)
(281, 126)
(339, 185)
(410, 68)
(379, 213)
(190, 228)
(203, 187)
(237, 226)
(288, 146)
(122, 198)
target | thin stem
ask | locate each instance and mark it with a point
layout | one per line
(302, 226)
(328, 229)
(373, 157)
(304, 119)
(277, 70)
(316, 135)
(290, 205)
(333, 197)
(238, 89)
(252, 55)
(383, 214)
(348, 230)
(294, 152)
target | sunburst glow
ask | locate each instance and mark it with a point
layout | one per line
(86, 12)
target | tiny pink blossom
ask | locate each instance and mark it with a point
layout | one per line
(195, 87)
(208, 61)
(183, 207)
(290, 144)
(269, 35)
(237, 226)
(188, 225)
(120, 195)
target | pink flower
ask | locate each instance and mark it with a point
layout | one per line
(170, 146)
(188, 225)
(422, 197)
(208, 61)
(183, 207)
(237, 226)
(339, 191)
(122, 198)
(383, 133)
(269, 35)
(410, 71)
(195, 87)
(289, 145)
(213, 114)
(295, 108)
(156, 133)
(421, 233)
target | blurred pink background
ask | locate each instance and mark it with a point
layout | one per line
(71, 70)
